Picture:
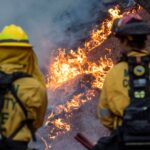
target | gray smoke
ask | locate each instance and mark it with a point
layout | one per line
(51, 23)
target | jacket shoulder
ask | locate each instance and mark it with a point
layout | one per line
(118, 68)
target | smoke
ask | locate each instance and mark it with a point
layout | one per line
(51, 23)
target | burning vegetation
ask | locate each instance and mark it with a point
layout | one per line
(69, 65)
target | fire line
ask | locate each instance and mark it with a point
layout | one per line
(68, 66)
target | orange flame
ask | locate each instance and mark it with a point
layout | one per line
(68, 66)
(61, 125)
(73, 104)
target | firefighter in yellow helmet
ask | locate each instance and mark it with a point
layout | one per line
(24, 103)
(132, 31)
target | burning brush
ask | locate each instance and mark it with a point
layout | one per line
(68, 66)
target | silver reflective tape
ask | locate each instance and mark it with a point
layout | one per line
(105, 112)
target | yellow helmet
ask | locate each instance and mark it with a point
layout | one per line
(13, 35)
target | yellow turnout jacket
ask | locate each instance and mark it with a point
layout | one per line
(114, 96)
(30, 90)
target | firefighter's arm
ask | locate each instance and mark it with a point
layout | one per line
(103, 112)
(114, 99)
(34, 97)
(40, 109)
(117, 96)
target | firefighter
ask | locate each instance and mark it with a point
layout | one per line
(123, 105)
(24, 104)
(132, 31)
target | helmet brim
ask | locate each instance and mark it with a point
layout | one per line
(139, 28)
(15, 44)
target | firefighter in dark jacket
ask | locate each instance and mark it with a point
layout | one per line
(30, 99)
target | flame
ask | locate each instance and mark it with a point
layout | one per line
(61, 125)
(72, 104)
(69, 65)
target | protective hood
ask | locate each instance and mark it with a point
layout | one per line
(20, 59)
